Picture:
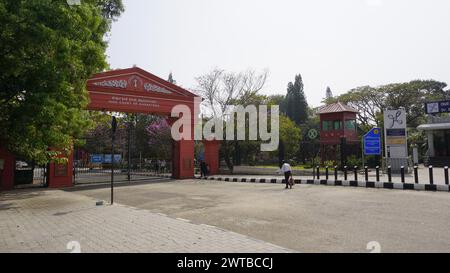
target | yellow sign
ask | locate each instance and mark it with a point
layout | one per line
(396, 141)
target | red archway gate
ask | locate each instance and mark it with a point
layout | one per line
(135, 90)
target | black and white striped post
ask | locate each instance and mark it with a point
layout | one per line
(327, 174)
(355, 169)
(389, 171)
(366, 168)
(345, 173)
(335, 173)
(430, 168)
(378, 173)
(318, 172)
(416, 174)
(446, 175)
(402, 172)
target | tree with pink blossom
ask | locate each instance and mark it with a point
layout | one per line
(160, 138)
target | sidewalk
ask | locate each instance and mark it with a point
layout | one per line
(46, 221)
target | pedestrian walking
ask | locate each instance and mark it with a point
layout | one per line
(156, 166)
(286, 169)
(163, 166)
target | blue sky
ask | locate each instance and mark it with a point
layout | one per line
(338, 43)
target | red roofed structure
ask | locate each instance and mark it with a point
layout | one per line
(337, 126)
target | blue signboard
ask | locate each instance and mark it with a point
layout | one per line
(437, 107)
(108, 159)
(396, 132)
(372, 142)
(96, 159)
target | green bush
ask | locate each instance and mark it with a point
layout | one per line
(353, 161)
(330, 163)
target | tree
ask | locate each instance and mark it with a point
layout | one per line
(221, 90)
(171, 80)
(329, 93)
(160, 139)
(141, 136)
(308, 149)
(279, 100)
(413, 96)
(98, 140)
(296, 104)
(48, 50)
(367, 100)
(290, 138)
(371, 101)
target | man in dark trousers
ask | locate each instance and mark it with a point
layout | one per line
(203, 169)
(287, 171)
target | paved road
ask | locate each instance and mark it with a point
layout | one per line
(45, 221)
(307, 219)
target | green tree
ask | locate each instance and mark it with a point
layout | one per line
(308, 148)
(171, 80)
(296, 104)
(221, 90)
(371, 101)
(279, 100)
(48, 49)
(328, 93)
(290, 138)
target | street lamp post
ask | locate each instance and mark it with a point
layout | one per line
(114, 129)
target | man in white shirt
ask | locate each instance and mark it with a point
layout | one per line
(287, 171)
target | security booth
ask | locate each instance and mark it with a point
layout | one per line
(338, 134)
(438, 133)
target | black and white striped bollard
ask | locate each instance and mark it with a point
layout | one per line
(430, 168)
(416, 174)
(389, 174)
(366, 168)
(345, 173)
(402, 171)
(378, 173)
(446, 175)
(356, 173)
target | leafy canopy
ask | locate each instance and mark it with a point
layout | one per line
(48, 49)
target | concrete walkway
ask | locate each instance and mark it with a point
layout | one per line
(48, 221)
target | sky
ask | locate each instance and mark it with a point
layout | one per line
(342, 44)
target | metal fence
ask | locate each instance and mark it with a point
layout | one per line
(29, 175)
(88, 173)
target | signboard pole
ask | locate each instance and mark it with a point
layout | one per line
(363, 154)
(129, 152)
(396, 138)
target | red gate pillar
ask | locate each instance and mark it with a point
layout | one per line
(212, 155)
(183, 159)
(7, 162)
(183, 155)
(61, 175)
